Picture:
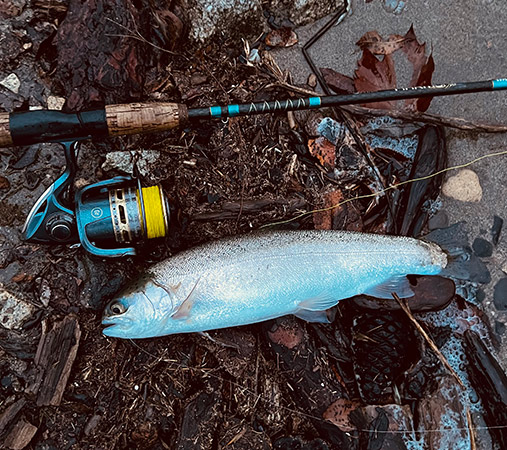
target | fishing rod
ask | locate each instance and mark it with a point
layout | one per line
(111, 217)
(31, 127)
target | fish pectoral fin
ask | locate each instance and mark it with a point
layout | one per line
(312, 316)
(398, 284)
(183, 312)
(320, 302)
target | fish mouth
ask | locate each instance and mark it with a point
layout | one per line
(116, 326)
(114, 331)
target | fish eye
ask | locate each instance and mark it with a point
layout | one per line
(117, 308)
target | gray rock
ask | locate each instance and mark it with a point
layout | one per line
(11, 82)
(227, 18)
(13, 310)
(500, 295)
(482, 247)
(303, 12)
(238, 19)
(439, 220)
(124, 161)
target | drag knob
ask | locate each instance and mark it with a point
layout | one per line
(60, 227)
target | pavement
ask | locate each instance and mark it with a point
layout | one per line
(468, 39)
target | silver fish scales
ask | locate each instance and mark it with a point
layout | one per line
(248, 279)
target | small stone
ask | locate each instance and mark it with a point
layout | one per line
(312, 80)
(464, 186)
(45, 293)
(499, 328)
(11, 82)
(482, 247)
(480, 296)
(92, 424)
(55, 102)
(500, 295)
(124, 161)
(13, 310)
(496, 229)
(439, 220)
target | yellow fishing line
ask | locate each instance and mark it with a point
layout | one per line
(393, 186)
(154, 211)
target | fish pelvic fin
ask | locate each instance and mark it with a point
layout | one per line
(183, 312)
(314, 309)
(398, 284)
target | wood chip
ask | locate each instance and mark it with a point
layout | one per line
(10, 413)
(55, 355)
(20, 436)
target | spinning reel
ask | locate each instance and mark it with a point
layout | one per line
(108, 218)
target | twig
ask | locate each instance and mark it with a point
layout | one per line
(471, 430)
(425, 335)
(138, 36)
(450, 122)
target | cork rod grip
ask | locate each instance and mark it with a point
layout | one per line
(133, 118)
(5, 133)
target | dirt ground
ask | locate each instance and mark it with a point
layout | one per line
(359, 382)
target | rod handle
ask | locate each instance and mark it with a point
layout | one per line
(5, 133)
(140, 118)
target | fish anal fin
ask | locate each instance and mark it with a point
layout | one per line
(312, 316)
(184, 310)
(398, 284)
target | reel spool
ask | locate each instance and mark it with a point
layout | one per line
(119, 211)
(108, 217)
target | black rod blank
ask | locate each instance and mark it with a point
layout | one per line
(245, 109)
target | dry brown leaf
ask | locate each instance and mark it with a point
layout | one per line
(415, 53)
(324, 151)
(323, 220)
(338, 413)
(282, 37)
(4, 183)
(373, 74)
(423, 68)
(373, 42)
(423, 103)
(338, 82)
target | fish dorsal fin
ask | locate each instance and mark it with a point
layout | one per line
(398, 284)
(312, 316)
(183, 312)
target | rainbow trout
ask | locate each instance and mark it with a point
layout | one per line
(249, 279)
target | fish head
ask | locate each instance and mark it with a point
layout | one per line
(138, 310)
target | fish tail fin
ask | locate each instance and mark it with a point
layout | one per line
(462, 264)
